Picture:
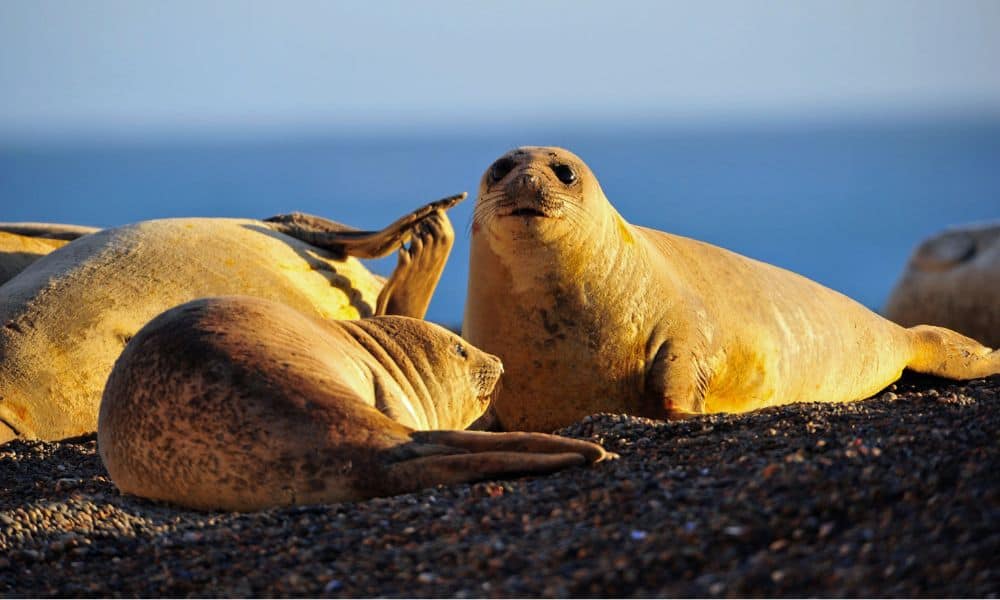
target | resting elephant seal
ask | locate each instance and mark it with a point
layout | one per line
(953, 280)
(239, 403)
(592, 314)
(65, 319)
(23, 243)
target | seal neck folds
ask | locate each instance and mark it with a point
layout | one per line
(423, 381)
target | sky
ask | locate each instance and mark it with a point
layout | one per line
(144, 67)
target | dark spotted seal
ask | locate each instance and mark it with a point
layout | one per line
(239, 403)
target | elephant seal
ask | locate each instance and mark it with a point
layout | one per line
(65, 319)
(238, 403)
(953, 280)
(23, 243)
(592, 314)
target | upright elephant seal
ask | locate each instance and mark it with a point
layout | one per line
(65, 319)
(592, 314)
(953, 280)
(239, 403)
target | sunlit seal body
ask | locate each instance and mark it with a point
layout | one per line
(23, 243)
(65, 318)
(239, 403)
(591, 314)
(953, 280)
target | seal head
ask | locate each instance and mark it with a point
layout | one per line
(953, 280)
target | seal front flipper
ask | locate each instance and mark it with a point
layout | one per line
(348, 241)
(677, 381)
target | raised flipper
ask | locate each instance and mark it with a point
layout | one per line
(348, 241)
(409, 289)
(448, 457)
(945, 353)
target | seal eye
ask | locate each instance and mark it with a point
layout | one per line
(565, 173)
(500, 169)
(460, 350)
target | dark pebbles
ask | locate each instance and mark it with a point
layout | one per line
(894, 496)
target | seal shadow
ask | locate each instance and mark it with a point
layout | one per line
(12, 263)
(316, 263)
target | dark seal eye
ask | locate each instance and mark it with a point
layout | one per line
(460, 350)
(565, 173)
(500, 169)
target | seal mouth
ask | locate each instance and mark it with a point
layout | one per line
(531, 213)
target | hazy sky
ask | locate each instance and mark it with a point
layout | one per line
(138, 66)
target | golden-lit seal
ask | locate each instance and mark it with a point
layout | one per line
(65, 319)
(592, 314)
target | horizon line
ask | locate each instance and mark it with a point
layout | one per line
(242, 130)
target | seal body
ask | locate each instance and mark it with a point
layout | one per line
(592, 314)
(240, 403)
(23, 243)
(65, 319)
(19, 251)
(953, 280)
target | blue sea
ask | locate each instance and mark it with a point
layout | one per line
(843, 203)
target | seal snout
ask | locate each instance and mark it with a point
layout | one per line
(486, 374)
(529, 196)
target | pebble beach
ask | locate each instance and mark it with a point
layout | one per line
(898, 495)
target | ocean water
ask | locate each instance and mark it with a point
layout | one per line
(842, 203)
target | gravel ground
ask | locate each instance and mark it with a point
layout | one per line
(895, 496)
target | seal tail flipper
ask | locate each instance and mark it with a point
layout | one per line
(447, 457)
(515, 441)
(348, 241)
(946, 353)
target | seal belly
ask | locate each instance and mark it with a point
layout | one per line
(798, 341)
